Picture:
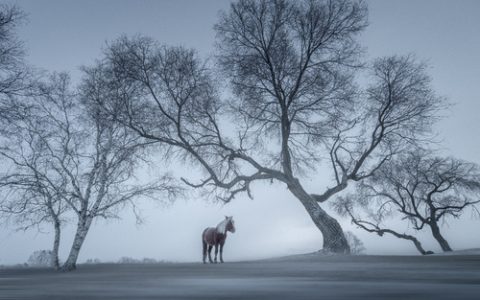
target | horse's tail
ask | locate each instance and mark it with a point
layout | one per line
(204, 243)
(204, 246)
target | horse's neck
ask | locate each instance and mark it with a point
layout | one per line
(222, 227)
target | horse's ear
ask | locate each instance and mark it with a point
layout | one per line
(226, 217)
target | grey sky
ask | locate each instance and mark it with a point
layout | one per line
(63, 35)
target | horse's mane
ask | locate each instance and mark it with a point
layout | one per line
(222, 226)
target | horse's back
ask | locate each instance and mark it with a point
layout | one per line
(208, 235)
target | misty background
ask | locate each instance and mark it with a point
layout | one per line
(64, 35)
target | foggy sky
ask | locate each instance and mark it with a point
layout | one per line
(63, 35)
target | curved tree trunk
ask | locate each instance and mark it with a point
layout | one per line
(334, 239)
(333, 236)
(82, 230)
(440, 239)
(56, 246)
(419, 246)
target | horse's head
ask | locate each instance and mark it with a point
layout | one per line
(230, 224)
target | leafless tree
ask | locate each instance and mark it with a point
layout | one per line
(32, 193)
(423, 189)
(66, 155)
(29, 201)
(109, 163)
(373, 222)
(291, 67)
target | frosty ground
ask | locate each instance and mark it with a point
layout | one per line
(310, 276)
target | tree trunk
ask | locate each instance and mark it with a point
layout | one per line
(56, 246)
(333, 236)
(419, 247)
(82, 230)
(440, 239)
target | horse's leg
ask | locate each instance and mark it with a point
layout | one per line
(221, 253)
(210, 253)
(204, 252)
(216, 252)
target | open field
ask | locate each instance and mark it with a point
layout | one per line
(299, 277)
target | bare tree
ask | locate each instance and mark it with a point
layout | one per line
(102, 172)
(423, 189)
(302, 101)
(32, 193)
(373, 222)
(26, 198)
(29, 201)
(67, 156)
(291, 67)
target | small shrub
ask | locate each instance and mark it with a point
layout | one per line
(128, 260)
(93, 261)
(147, 260)
(41, 258)
(356, 245)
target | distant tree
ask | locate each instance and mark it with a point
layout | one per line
(291, 66)
(419, 187)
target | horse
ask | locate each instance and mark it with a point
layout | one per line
(216, 237)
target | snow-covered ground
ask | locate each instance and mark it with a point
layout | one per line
(475, 251)
(309, 276)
